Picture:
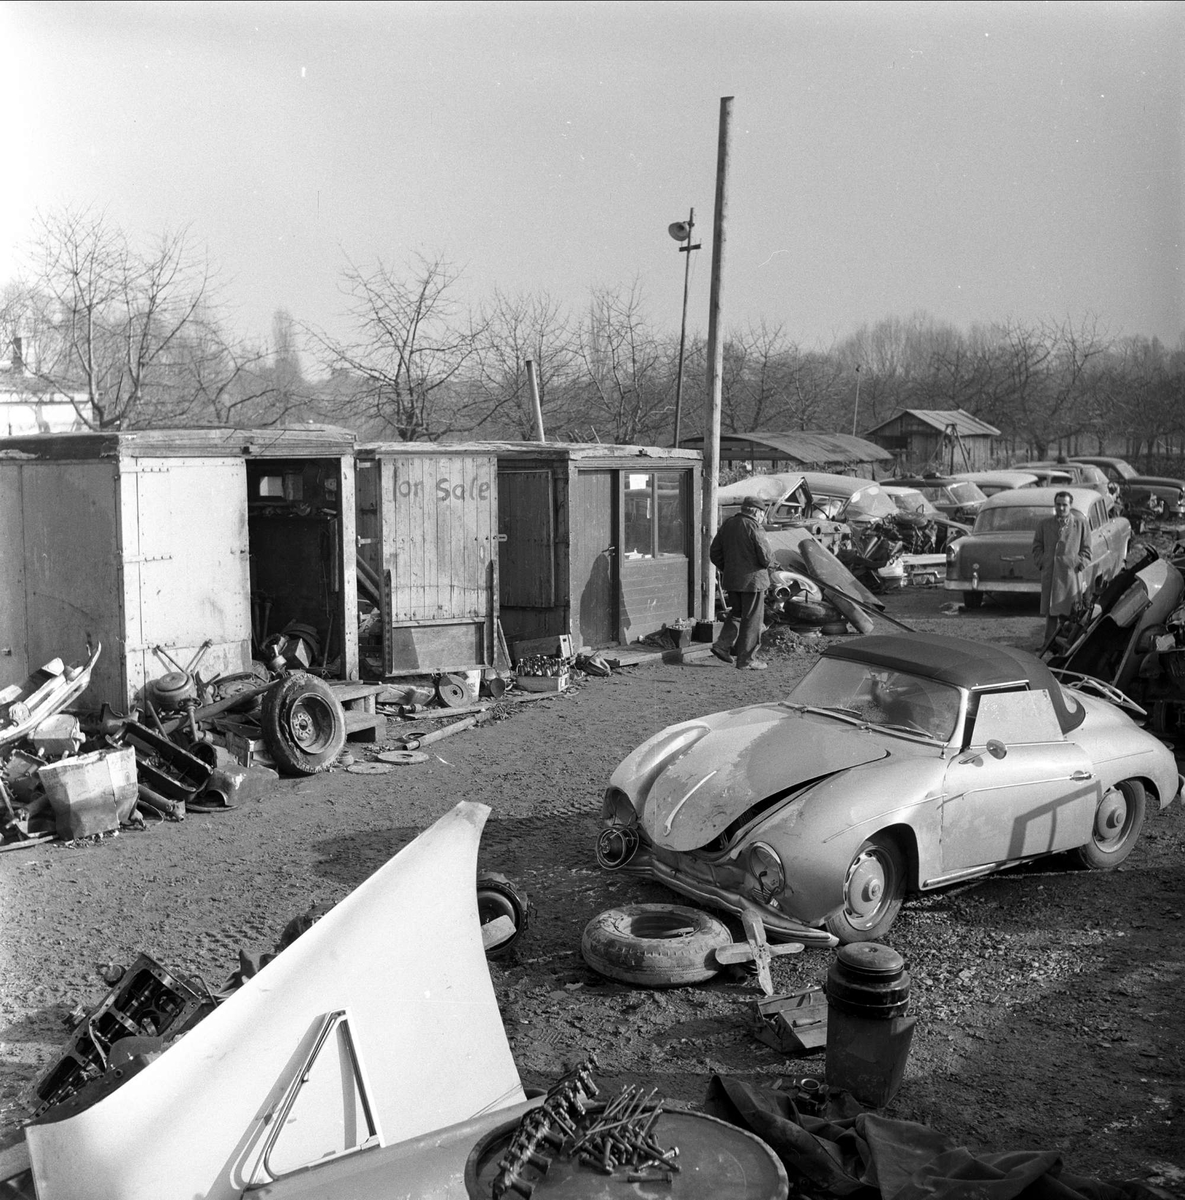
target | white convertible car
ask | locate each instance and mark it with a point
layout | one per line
(899, 763)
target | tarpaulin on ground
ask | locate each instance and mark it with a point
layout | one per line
(846, 1151)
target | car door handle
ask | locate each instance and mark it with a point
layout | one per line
(1080, 775)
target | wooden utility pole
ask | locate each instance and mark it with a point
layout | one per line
(715, 371)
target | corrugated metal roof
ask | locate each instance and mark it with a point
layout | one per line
(943, 419)
(810, 449)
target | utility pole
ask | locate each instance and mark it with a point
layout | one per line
(536, 407)
(715, 370)
(856, 410)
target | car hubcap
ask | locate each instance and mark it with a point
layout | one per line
(866, 887)
(1110, 818)
(311, 726)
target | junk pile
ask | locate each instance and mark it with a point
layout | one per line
(191, 745)
(1128, 642)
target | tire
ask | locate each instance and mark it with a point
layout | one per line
(1117, 824)
(304, 725)
(973, 600)
(497, 897)
(873, 889)
(811, 612)
(654, 945)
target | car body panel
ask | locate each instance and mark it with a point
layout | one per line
(789, 505)
(423, 1019)
(997, 555)
(1020, 774)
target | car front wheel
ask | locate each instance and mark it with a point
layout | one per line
(872, 892)
(1117, 824)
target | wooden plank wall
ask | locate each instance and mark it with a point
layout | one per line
(654, 591)
(438, 533)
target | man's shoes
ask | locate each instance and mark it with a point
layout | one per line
(722, 655)
(754, 666)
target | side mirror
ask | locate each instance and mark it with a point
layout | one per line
(996, 748)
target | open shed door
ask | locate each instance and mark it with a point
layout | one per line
(440, 577)
(185, 568)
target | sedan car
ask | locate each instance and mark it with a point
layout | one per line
(898, 764)
(958, 499)
(1162, 495)
(996, 556)
(933, 529)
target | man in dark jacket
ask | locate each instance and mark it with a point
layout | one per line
(742, 555)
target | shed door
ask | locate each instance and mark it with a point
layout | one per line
(593, 527)
(526, 524)
(440, 577)
(184, 559)
(13, 632)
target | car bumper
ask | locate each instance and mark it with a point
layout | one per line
(776, 923)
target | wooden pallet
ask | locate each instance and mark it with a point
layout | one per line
(363, 720)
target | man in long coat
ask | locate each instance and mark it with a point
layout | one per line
(742, 554)
(1061, 551)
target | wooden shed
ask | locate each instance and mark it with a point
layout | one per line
(164, 540)
(942, 440)
(427, 528)
(597, 542)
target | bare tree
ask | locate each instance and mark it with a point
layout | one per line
(111, 316)
(401, 374)
(627, 389)
(519, 329)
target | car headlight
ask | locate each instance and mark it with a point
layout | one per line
(766, 867)
(616, 808)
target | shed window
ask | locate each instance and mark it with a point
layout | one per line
(656, 514)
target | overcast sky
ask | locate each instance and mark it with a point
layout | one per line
(976, 161)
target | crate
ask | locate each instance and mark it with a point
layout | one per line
(557, 646)
(543, 683)
(91, 793)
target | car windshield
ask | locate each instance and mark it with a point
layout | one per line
(1022, 518)
(881, 696)
(965, 493)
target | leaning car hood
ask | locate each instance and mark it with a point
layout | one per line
(748, 755)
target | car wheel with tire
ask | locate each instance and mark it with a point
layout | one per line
(873, 890)
(1118, 820)
(655, 945)
(303, 724)
(497, 897)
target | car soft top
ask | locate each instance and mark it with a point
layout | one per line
(961, 663)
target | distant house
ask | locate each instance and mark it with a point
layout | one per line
(937, 439)
(803, 450)
(30, 405)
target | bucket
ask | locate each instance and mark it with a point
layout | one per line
(91, 793)
(868, 1033)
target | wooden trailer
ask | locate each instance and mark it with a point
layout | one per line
(158, 542)
(597, 542)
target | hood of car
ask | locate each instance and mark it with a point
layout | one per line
(745, 756)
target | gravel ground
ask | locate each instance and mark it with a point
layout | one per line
(1048, 999)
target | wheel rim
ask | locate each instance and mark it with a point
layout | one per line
(1112, 819)
(492, 905)
(311, 724)
(869, 888)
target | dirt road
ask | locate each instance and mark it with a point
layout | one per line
(1049, 1000)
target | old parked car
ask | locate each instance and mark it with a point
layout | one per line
(899, 763)
(925, 529)
(958, 499)
(991, 482)
(995, 557)
(1167, 494)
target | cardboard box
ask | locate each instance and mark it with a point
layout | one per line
(557, 646)
(543, 683)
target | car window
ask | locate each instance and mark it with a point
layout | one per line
(1010, 518)
(1014, 718)
(1096, 516)
(881, 696)
(965, 493)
